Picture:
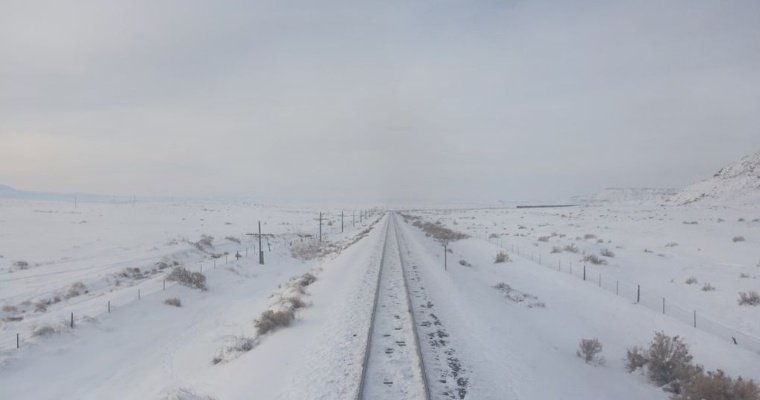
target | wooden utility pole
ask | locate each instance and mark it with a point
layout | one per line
(445, 256)
(261, 250)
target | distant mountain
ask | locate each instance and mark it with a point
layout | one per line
(738, 181)
(623, 195)
(7, 192)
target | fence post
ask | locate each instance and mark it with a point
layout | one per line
(638, 294)
(214, 268)
(164, 284)
(72, 319)
(695, 318)
(445, 258)
(663, 305)
(18, 342)
(584, 272)
(109, 306)
(559, 265)
(138, 294)
(617, 288)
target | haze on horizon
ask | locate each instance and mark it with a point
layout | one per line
(359, 101)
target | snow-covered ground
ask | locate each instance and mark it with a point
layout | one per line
(489, 330)
(672, 252)
(519, 342)
(58, 260)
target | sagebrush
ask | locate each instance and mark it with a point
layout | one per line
(589, 350)
(184, 277)
(270, 319)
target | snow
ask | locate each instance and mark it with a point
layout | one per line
(736, 182)
(511, 350)
(488, 330)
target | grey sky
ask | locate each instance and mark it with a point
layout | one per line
(358, 101)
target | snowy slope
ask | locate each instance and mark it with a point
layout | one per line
(739, 181)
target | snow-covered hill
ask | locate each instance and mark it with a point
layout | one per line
(739, 181)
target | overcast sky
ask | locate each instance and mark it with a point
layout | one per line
(359, 101)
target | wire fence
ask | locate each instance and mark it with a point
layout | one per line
(642, 296)
(84, 308)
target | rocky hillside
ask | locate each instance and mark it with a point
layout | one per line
(739, 181)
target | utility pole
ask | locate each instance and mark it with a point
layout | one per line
(261, 250)
(320, 227)
(445, 256)
(341, 221)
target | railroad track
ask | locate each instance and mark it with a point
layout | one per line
(393, 366)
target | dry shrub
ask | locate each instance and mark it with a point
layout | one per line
(751, 298)
(667, 362)
(738, 239)
(464, 263)
(306, 279)
(501, 257)
(206, 242)
(544, 238)
(270, 319)
(186, 394)
(571, 248)
(717, 385)
(173, 302)
(593, 259)
(44, 330)
(243, 344)
(635, 358)
(435, 230)
(9, 308)
(133, 273)
(186, 278)
(589, 349)
(76, 289)
(21, 264)
(295, 303)
(707, 287)
(313, 249)
(607, 253)
(233, 239)
(692, 280)
(556, 249)
(589, 236)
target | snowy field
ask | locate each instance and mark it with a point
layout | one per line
(488, 330)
